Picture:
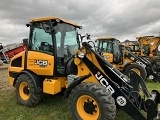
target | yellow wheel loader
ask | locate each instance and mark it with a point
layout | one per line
(124, 59)
(147, 48)
(54, 62)
(121, 58)
(133, 45)
(149, 45)
(150, 48)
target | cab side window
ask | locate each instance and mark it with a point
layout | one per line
(41, 40)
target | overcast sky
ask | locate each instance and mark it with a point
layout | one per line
(122, 19)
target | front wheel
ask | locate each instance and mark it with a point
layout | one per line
(90, 101)
(137, 68)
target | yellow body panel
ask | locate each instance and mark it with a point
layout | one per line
(11, 80)
(40, 69)
(21, 54)
(53, 86)
(108, 57)
(77, 61)
(15, 69)
(84, 70)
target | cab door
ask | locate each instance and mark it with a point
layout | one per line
(40, 56)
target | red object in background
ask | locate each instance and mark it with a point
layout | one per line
(15, 51)
(10, 52)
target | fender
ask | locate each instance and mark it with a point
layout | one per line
(38, 83)
(70, 67)
(127, 64)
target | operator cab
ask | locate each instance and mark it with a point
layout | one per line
(55, 37)
(110, 49)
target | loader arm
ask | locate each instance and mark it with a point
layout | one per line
(118, 84)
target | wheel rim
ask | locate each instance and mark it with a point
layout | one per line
(137, 71)
(24, 90)
(87, 108)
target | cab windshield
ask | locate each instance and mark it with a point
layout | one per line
(66, 39)
(113, 47)
(110, 46)
(66, 43)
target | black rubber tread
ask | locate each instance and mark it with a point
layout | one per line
(35, 95)
(143, 72)
(99, 94)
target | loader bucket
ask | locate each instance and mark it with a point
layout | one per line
(153, 98)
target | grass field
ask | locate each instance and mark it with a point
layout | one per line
(51, 107)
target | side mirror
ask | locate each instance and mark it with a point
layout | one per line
(28, 25)
(88, 36)
(25, 41)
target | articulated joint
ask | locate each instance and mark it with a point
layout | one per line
(76, 82)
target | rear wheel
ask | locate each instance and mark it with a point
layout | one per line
(26, 91)
(138, 69)
(89, 101)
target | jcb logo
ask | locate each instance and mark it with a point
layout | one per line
(104, 82)
(41, 62)
(140, 63)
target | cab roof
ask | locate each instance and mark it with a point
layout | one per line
(147, 37)
(53, 18)
(106, 38)
(144, 37)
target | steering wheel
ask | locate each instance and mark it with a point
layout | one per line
(68, 50)
(51, 48)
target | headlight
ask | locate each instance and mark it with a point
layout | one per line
(80, 54)
(151, 77)
(57, 20)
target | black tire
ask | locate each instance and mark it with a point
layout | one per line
(142, 70)
(104, 107)
(26, 91)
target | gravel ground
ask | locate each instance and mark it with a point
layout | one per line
(4, 84)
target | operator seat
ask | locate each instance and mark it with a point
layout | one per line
(44, 46)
